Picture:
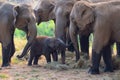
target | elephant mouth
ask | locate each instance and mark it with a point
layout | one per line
(86, 30)
(38, 21)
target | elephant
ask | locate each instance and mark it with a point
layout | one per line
(62, 12)
(86, 18)
(45, 11)
(15, 16)
(47, 46)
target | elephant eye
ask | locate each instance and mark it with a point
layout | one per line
(83, 13)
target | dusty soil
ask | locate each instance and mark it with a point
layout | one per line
(24, 72)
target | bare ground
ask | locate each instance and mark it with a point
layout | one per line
(24, 72)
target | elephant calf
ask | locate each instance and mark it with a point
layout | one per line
(46, 46)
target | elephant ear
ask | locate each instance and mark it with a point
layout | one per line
(52, 15)
(15, 13)
(50, 43)
(87, 15)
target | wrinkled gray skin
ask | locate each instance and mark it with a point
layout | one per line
(100, 19)
(46, 46)
(44, 10)
(15, 16)
(62, 11)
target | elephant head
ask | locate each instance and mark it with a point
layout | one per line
(44, 10)
(82, 16)
(25, 20)
(55, 44)
(81, 19)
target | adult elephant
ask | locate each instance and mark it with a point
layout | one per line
(89, 17)
(45, 11)
(62, 12)
(15, 16)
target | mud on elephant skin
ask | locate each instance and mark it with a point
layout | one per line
(15, 16)
(46, 46)
(95, 17)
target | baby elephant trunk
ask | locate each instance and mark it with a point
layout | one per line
(62, 46)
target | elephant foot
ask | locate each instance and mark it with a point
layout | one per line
(29, 64)
(35, 63)
(108, 70)
(93, 71)
(5, 65)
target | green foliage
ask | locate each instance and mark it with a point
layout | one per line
(45, 28)
(19, 33)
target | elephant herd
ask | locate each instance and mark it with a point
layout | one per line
(72, 18)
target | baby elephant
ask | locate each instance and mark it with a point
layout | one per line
(46, 46)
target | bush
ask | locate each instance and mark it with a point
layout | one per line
(46, 28)
(19, 33)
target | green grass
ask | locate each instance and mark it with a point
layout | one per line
(3, 76)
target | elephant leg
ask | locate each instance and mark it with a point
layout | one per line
(36, 58)
(32, 55)
(96, 57)
(55, 56)
(5, 55)
(84, 42)
(63, 56)
(99, 42)
(12, 50)
(69, 42)
(48, 57)
(70, 46)
(107, 57)
(118, 49)
(73, 36)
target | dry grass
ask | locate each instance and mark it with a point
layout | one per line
(20, 71)
(19, 45)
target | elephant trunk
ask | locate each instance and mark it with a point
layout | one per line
(38, 19)
(63, 45)
(31, 35)
(73, 36)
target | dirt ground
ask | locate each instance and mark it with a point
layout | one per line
(24, 72)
